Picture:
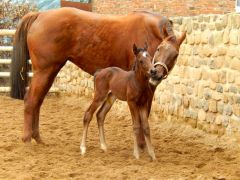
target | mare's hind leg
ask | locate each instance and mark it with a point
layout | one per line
(97, 101)
(101, 114)
(40, 84)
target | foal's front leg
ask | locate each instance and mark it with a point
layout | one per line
(136, 126)
(146, 130)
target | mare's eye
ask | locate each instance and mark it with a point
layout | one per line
(141, 61)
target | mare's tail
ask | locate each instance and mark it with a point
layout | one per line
(20, 57)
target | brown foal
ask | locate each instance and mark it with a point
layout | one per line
(114, 83)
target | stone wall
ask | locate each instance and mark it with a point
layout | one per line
(204, 87)
(167, 8)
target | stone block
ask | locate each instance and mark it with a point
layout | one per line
(202, 115)
(222, 76)
(196, 74)
(207, 94)
(220, 51)
(227, 110)
(236, 110)
(232, 51)
(236, 99)
(210, 117)
(237, 80)
(212, 106)
(224, 21)
(190, 39)
(205, 37)
(226, 33)
(219, 26)
(205, 74)
(217, 96)
(213, 85)
(233, 89)
(217, 37)
(235, 64)
(218, 120)
(195, 25)
(211, 26)
(215, 77)
(220, 107)
(216, 63)
(203, 26)
(207, 51)
(206, 18)
(186, 101)
(197, 37)
(234, 36)
(219, 88)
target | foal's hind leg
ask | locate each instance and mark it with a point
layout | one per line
(101, 114)
(40, 84)
(146, 130)
(97, 101)
(136, 126)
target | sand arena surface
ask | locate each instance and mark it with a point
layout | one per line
(182, 152)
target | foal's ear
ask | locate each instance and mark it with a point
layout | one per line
(135, 49)
(145, 46)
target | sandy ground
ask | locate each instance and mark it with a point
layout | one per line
(182, 152)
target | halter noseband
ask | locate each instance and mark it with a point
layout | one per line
(161, 64)
(164, 66)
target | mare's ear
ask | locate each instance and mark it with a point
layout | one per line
(145, 46)
(181, 39)
(135, 49)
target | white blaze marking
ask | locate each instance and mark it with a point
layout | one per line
(144, 54)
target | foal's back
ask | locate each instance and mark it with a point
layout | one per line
(114, 80)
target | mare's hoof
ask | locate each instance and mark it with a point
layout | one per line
(26, 139)
(38, 139)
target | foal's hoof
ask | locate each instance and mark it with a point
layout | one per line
(83, 150)
(103, 147)
(136, 155)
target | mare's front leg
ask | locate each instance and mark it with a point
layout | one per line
(136, 126)
(146, 130)
(101, 114)
(97, 101)
(40, 84)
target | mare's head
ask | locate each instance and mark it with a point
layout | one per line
(143, 62)
(165, 58)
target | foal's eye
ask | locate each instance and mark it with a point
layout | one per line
(141, 61)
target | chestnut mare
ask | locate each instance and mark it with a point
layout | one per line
(114, 83)
(89, 40)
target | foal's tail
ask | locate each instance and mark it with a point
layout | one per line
(20, 57)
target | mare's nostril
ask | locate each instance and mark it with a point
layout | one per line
(153, 71)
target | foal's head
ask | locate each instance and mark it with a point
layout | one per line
(165, 57)
(143, 62)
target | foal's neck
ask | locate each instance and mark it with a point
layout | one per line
(140, 76)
